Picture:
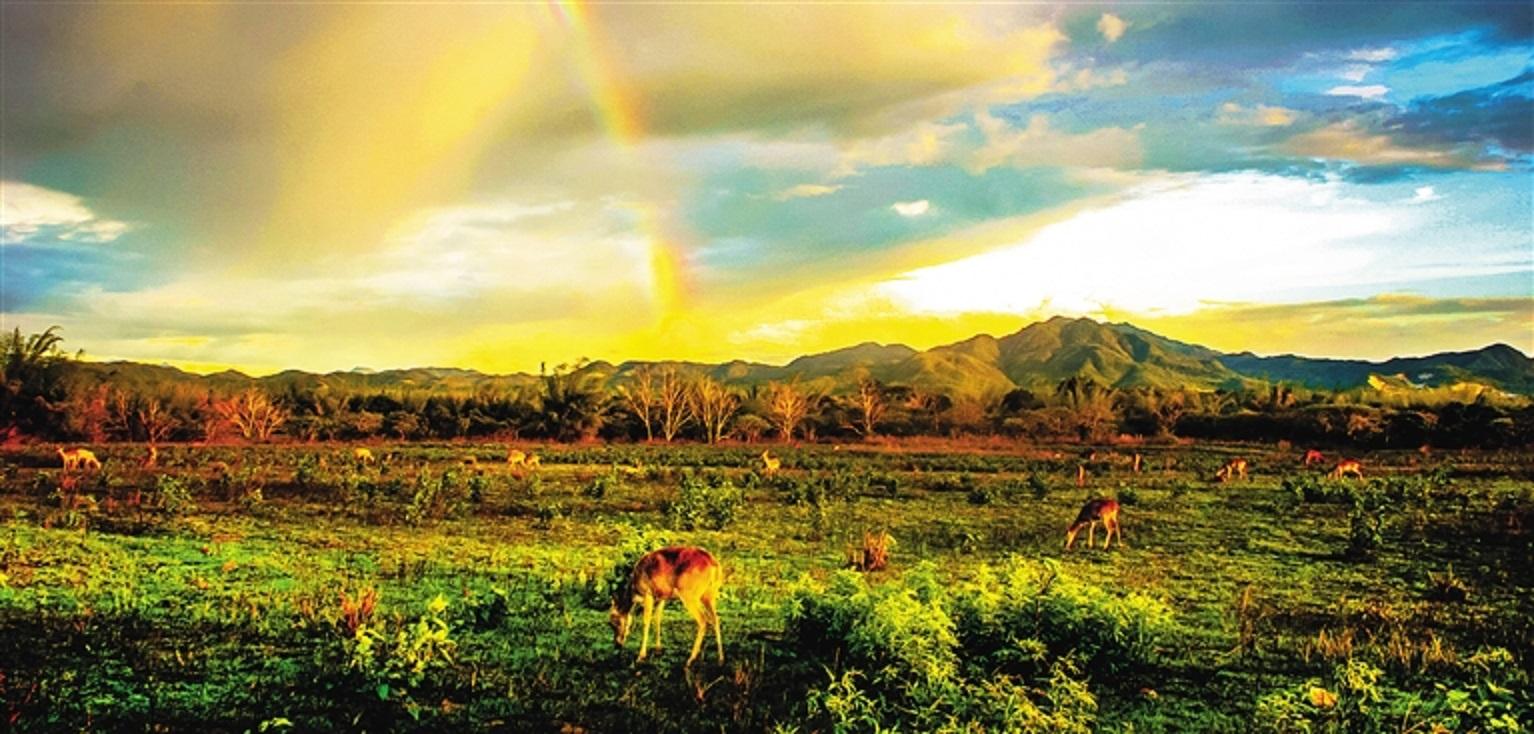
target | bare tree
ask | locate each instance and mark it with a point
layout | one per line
(253, 414)
(787, 406)
(639, 396)
(671, 402)
(89, 413)
(157, 422)
(871, 404)
(714, 406)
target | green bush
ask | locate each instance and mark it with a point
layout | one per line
(710, 502)
(1001, 652)
(1355, 698)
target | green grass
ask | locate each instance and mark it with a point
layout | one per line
(227, 615)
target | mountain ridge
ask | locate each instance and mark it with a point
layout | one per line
(1036, 357)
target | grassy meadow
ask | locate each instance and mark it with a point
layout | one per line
(291, 587)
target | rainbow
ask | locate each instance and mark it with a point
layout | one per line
(618, 110)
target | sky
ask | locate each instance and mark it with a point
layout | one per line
(496, 186)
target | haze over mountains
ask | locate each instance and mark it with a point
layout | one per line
(1036, 357)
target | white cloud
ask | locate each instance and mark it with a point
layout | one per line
(29, 213)
(1177, 245)
(1373, 55)
(1111, 26)
(1355, 73)
(805, 191)
(911, 208)
(1423, 195)
(1367, 91)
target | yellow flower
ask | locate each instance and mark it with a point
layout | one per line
(437, 605)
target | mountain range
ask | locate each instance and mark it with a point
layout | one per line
(1036, 357)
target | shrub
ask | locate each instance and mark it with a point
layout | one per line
(705, 503)
(993, 654)
(175, 496)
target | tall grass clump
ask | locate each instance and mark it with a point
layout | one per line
(1009, 650)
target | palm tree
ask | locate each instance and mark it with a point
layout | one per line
(572, 406)
(33, 383)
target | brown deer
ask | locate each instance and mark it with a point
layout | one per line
(151, 457)
(1105, 511)
(519, 459)
(770, 463)
(679, 572)
(1232, 469)
(363, 455)
(1346, 467)
(1313, 457)
(81, 459)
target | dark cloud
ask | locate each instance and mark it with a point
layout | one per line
(1500, 115)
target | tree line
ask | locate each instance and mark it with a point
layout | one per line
(45, 397)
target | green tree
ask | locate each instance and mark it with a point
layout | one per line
(34, 372)
(572, 406)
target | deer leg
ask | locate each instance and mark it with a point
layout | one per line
(694, 608)
(713, 613)
(644, 635)
(660, 612)
(1108, 527)
(1091, 534)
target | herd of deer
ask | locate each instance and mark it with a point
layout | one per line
(692, 575)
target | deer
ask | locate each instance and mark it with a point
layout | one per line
(363, 455)
(679, 572)
(1232, 469)
(519, 459)
(770, 463)
(1105, 511)
(1313, 457)
(151, 457)
(1346, 467)
(81, 459)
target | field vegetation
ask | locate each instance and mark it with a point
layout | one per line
(246, 587)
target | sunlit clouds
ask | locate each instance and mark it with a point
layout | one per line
(498, 186)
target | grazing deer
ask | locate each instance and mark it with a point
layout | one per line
(81, 459)
(1313, 457)
(517, 458)
(1232, 469)
(770, 463)
(1348, 466)
(363, 455)
(151, 457)
(679, 572)
(1103, 510)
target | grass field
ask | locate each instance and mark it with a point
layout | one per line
(288, 587)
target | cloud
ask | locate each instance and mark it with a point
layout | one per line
(1111, 26)
(1495, 116)
(1260, 115)
(1368, 91)
(1350, 141)
(32, 214)
(1375, 327)
(1423, 195)
(911, 208)
(805, 191)
(1373, 55)
(1173, 246)
(923, 144)
(1039, 144)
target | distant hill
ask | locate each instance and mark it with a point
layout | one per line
(1037, 357)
